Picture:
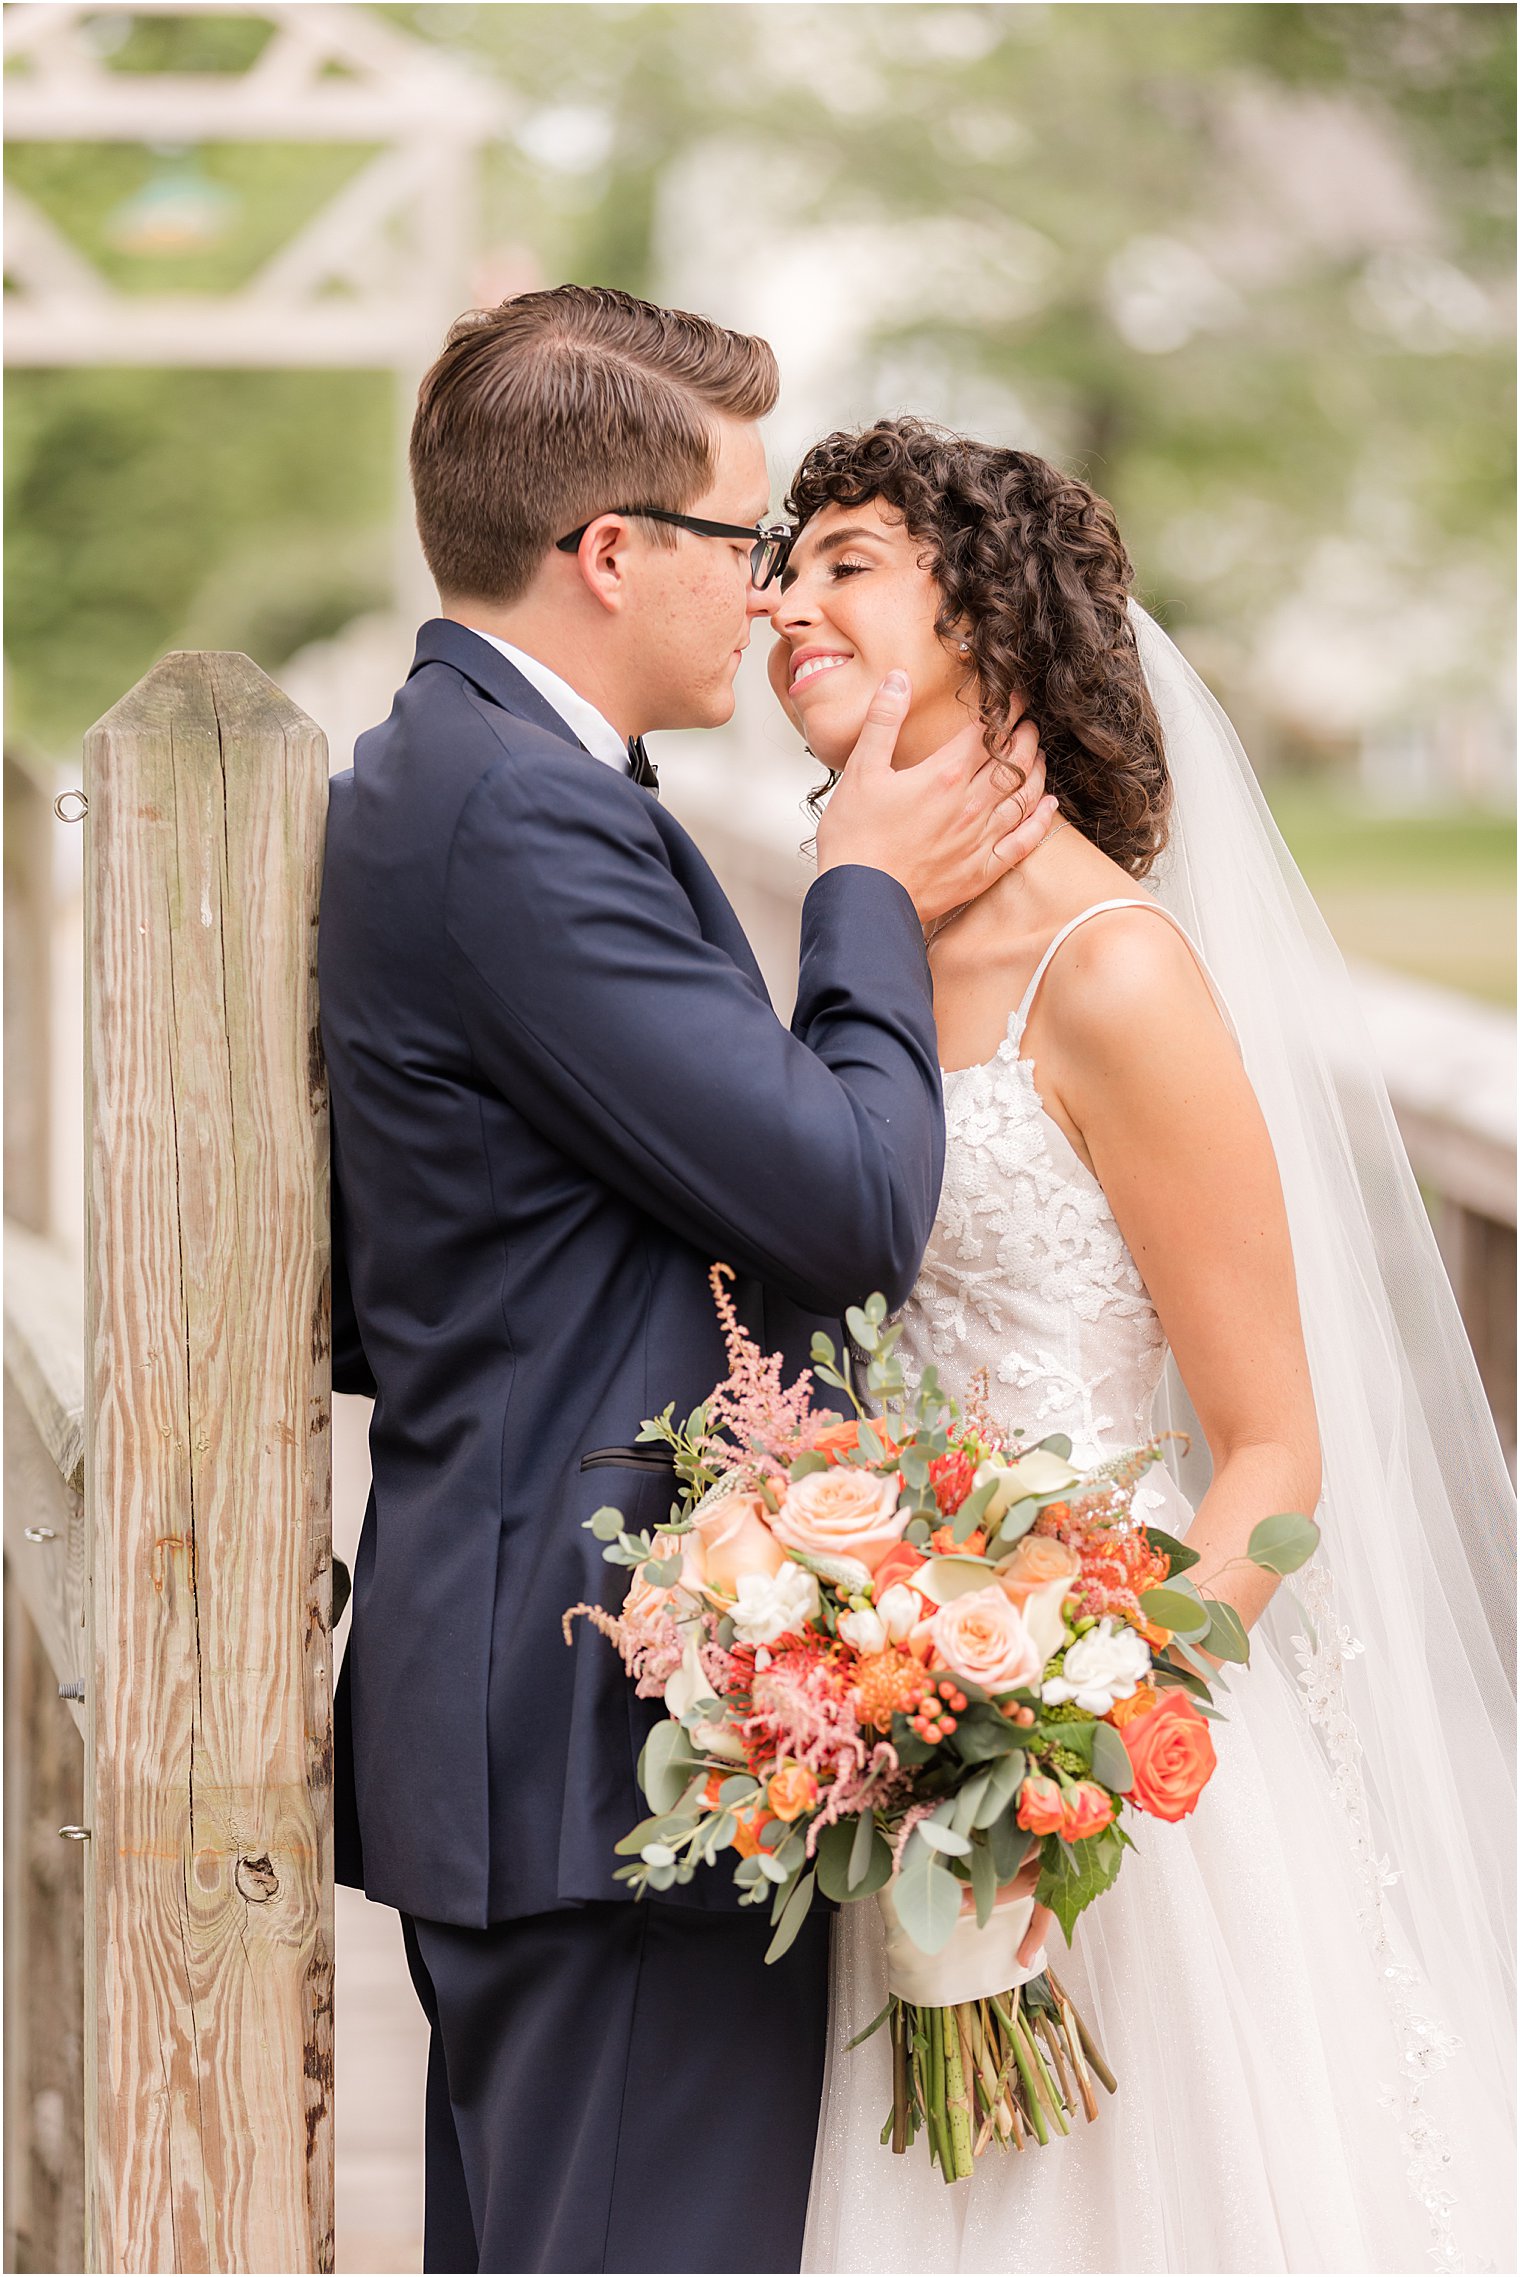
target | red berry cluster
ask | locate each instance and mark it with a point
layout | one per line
(951, 1477)
(936, 1719)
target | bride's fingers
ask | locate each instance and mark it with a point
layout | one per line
(1040, 1922)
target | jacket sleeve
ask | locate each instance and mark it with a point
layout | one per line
(592, 1001)
(351, 1371)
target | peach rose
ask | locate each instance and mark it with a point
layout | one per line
(1038, 1579)
(1086, 1809)
(791, 1792)
(842, 1513)
(735, 1539)
(981, 1635)
(1040, 1807)
(1173, 1757)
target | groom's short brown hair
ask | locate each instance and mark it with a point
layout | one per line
(558, 406)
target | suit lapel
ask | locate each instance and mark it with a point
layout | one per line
(441, 641)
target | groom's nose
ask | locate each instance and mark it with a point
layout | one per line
(764, 599)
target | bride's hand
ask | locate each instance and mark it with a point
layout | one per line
(1041, 1921)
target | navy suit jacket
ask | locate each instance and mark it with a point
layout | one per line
(559, 1092)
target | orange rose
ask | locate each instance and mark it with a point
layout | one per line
(747, 1831)
(715, 1780)
(1140, 1703)
(1040, 1807)
(791, 1792)
(901, 1562)
(1173, 1757)
(1086, 1809)
(843, 1438)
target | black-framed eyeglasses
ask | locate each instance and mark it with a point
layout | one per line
(768, 549)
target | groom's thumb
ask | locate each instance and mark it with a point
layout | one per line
(888, 709)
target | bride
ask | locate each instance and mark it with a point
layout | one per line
(1173, 1194)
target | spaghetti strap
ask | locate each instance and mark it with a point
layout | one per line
(1021, 1017)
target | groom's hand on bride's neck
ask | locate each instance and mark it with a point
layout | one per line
(946, 829)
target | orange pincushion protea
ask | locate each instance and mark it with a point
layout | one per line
(885, 1683)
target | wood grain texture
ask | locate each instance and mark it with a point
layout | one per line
(44, 1962)
(209, 1887)
(44, 1344)
(49, 1575)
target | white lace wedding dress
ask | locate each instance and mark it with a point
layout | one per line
(1282, 2081)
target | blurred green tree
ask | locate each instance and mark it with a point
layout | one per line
(1246, 266)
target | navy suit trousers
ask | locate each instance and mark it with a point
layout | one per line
(620, 2087)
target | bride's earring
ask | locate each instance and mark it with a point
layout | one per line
(964, 647)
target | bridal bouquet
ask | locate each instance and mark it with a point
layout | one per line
(900, 1654)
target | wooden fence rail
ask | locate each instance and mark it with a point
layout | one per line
(171, 1460)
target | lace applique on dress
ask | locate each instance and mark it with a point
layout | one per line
(1426, 2045)
(1027, 1273)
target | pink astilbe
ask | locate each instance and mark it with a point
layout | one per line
(799, 1707)
(765, 1422)
(869, 1788)
(651, 1644)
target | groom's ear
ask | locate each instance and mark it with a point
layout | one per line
(603, 560)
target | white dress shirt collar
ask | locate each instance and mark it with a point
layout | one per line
(584, 721)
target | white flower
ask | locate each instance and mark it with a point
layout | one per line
(1104, 1666)
(770, 1604)
(898, 1609)
(1038, 1472)
(866, 1631)
(690, 1682)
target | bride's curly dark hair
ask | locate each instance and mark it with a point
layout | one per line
(1034, 575)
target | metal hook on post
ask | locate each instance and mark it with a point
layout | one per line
(61, 802)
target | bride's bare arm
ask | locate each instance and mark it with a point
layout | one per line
(1149, 1078)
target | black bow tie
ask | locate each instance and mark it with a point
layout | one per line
(641, 766)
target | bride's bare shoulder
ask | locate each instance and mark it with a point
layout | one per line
(1129, 975)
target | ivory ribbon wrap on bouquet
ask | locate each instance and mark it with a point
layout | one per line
(975, 1965)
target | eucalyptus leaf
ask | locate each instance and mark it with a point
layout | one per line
(1010, 1845)
(605, 1523)
(984, 1882)
(860, 1850)
(1179, 1556)
(771, 1868)
(870, 1445)
(822, 1350)
(876, 1310)
(1004, 1782)
(968, 1801)
(927, 1896)
(1283, 1543)
(943, 1838)
(1226, 1637)
(807, 1463)
(863, 1330)
(793, 1914)
(1057, 1444)
(1110, 1760)
(666, 1765)
(1017, 1521)
(832, 1859)
(1173, 1609)
(739, 1789)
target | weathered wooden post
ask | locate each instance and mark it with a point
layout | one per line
(208, 1710)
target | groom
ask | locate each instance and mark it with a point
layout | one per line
(559, 1091)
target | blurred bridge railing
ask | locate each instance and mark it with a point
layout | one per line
(1448, 1060)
